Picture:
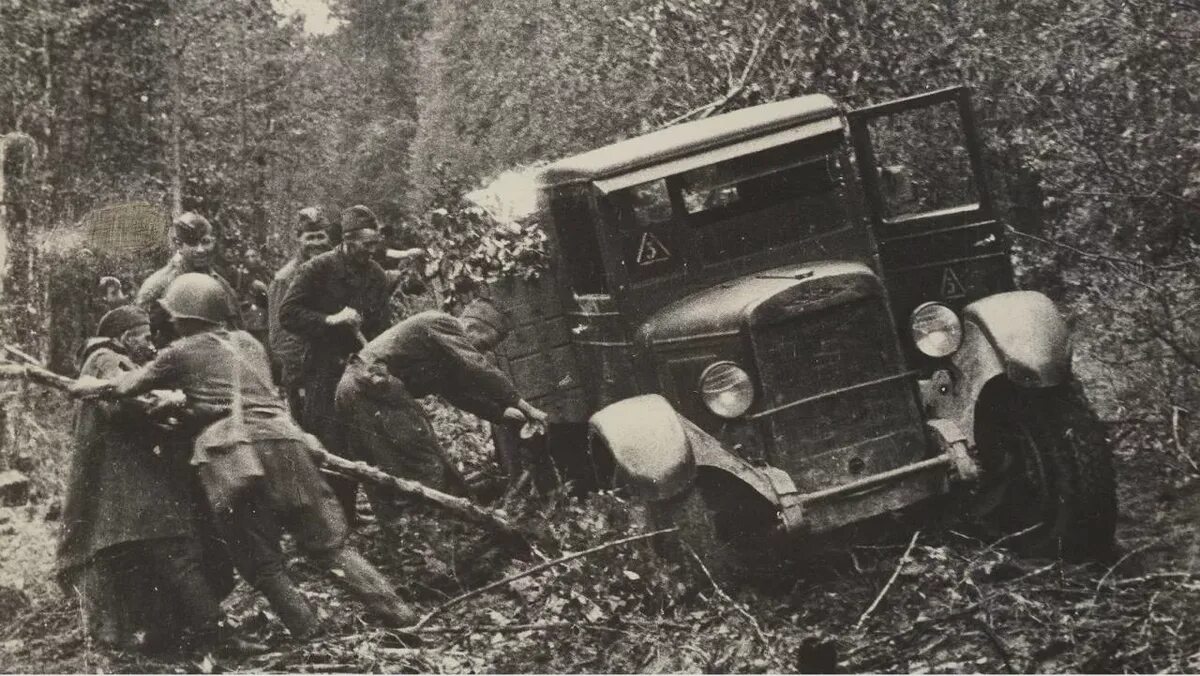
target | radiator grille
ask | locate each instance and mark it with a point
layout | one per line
(860, 430)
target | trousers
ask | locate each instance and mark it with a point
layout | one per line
(293, 497)
(386, 427)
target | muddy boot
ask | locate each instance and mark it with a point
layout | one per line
(372, 588)
(291, 607)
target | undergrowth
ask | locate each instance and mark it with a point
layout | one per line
(956, 604)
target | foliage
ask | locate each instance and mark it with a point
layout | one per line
(470, 250)
(1088, 107)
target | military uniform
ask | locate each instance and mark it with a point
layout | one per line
(129, 544)
(156, 285)
(209, 367)
(425, 354)
(323, 286)
(287, 348)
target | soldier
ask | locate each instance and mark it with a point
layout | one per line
(287, 349)
(337, 301)
(428, 353)
(193, 239)
(129, 544)
(219, 369)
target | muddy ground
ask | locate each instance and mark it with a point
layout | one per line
(957, 604)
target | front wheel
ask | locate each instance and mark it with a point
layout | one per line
(1047, 471)
(726, 525)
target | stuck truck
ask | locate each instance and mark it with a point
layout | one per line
(761, 327)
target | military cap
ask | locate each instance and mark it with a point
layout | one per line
(358, 217)
(190, 226)
(117, 321)
(309, 219)
(482, 310)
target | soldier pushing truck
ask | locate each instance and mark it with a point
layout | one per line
(235, 462)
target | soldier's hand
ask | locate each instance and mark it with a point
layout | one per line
(162, 400)
(89, 387)
(347, 316)
(533, 419)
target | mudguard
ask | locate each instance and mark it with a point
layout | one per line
(1029, 335)
(657, 451)
(647, 441)
(1019, 335)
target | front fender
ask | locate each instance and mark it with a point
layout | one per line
(1029, 335)
(646, 439)
(657, 451)
(1018, 335)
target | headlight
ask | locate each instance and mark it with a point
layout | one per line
(936, 330)
(726, 389)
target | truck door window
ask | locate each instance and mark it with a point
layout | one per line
(923, 162)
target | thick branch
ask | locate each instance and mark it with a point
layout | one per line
(461, 507)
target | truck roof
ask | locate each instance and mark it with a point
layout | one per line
(688, 138)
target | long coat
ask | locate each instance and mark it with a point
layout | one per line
(119, 490)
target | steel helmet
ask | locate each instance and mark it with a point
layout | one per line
(196, 296)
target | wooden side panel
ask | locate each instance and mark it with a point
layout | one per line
(537, 353)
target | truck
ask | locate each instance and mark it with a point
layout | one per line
(790, 318)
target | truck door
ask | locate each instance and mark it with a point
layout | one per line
(921, 165)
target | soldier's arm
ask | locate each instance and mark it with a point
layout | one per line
(161, 373)
(296, 312)
(472, 383)
(379, 318)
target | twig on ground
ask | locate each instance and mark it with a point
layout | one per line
(532, 571)
(1173, 575)
(517, 628)
(462, 507)
(994, 639)
(921, 625)
(1013, 536)
(758, 632)
(1176, 412)
(895, 573)
(1108, 573)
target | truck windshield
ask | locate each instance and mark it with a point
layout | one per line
(745, 205)
(728, 209)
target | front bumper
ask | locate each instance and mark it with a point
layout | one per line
(830, 508)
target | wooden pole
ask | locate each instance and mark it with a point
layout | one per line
(461, 507)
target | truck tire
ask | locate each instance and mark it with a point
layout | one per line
(725, 524)
(1047, 472)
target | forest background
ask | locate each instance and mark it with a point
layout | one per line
(1090, 110)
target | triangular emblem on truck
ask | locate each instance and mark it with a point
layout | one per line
(951, 286)
(651, 250)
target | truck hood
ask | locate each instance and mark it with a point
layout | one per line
(763, 298)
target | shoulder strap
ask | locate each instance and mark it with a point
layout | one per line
(236, 359)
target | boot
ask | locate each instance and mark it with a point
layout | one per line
(291, 606)
(372, 588)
